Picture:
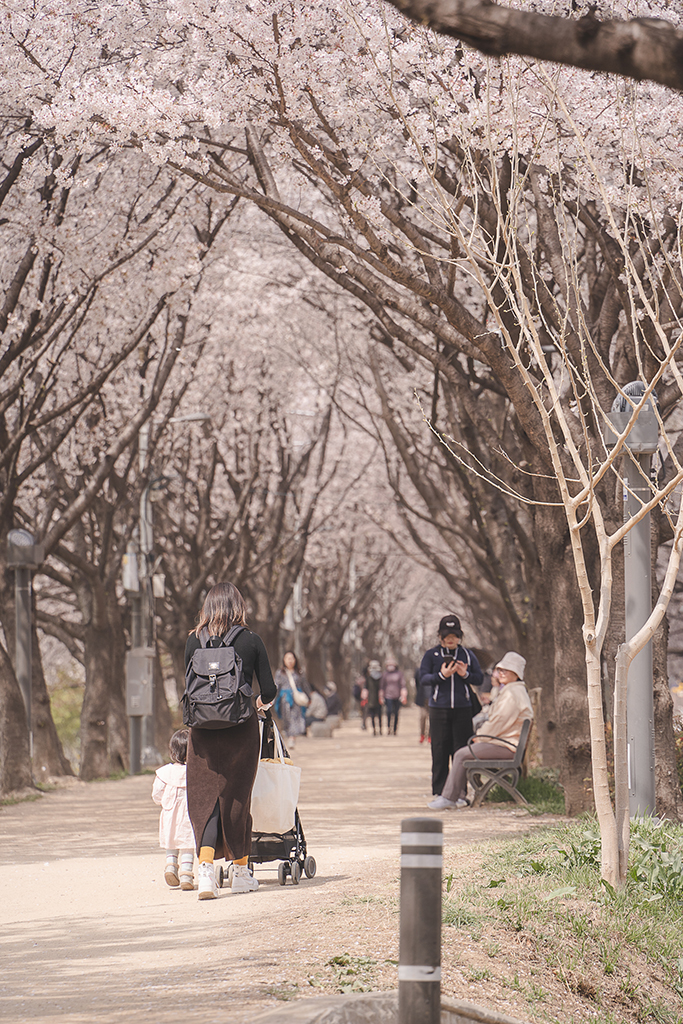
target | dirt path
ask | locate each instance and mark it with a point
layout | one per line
(89, 930)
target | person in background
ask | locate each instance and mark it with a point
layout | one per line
(451, 671)
(175, 828)
(359, 688)
(393, 692)
(334, 706)
(373, 675)
(317, 708)
(422, 695)
(293, 695)
(508, 712)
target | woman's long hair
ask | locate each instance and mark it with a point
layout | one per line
(296, 661)
(223, 608)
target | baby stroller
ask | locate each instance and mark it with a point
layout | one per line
(288, 847)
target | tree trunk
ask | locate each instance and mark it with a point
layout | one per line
(571, 701)
(15, 762)
(163, 719)
(669, 800)
(540, 656)
(48, 755)
(118, 740)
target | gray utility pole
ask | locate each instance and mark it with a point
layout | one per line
(142, 585)
(640, 446)
(23, 555)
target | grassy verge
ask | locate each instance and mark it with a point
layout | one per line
(540, 788)
(540, 935)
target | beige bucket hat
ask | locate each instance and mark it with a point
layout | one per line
(514, 663)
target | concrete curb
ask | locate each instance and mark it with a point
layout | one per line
(374, 1008)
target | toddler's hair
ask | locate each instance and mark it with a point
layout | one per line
(178, 746)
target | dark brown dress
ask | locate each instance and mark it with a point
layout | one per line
(222, 763)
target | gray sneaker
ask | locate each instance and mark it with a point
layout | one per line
(440, 803)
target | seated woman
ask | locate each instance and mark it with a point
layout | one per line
(511, 708)
(317, 709)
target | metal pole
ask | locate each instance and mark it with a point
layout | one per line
(23, 667)
(638, 595)
(135, 726)
(419, 971)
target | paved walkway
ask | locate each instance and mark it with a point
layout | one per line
(90, 932)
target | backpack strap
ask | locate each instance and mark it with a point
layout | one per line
(231, 635)
(205, 637)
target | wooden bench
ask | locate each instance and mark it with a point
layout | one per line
(484, 774)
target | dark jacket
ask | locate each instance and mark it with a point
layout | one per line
(456, 691)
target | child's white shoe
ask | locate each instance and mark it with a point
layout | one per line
(242, 879)
(171, 874)
(186, 882)
(208, 888)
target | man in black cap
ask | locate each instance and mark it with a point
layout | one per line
(451, 671)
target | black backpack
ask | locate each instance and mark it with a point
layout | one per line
(217, 696)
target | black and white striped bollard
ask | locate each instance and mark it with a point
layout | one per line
(419, 966)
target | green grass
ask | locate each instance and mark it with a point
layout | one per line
(619, 953)
(540, 789)
(66, 701)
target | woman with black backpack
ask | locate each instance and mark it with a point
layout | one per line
(222, 758)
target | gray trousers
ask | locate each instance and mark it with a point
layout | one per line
(456, 783)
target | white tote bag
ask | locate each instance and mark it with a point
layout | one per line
(276, 791)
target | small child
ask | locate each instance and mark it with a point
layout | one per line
(175, 829)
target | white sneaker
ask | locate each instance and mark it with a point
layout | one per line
(186, 881)
(208, 887)
(440, 803)
(242, 879)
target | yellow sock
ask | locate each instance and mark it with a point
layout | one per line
(206, 854)
(242, 861)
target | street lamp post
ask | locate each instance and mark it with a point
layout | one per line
(640, 446)
(23, 555)
(138, 581)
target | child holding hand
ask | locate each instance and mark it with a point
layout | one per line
(175, 829)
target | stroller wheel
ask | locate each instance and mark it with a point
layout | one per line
(219, 876)
(230, 871)
(296, 872)
(282, 872)
(310, 867)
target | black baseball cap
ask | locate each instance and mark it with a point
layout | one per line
(450, 624)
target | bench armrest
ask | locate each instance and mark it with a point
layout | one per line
(494, 739)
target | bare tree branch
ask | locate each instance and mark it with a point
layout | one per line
(643, 48)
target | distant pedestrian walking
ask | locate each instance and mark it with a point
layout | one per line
(451, 671)
(373, 676)
(393, 693)
(175, 829)
(293, 697)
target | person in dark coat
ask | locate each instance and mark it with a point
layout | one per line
(222, 763)
(373, 676)
(451, 671)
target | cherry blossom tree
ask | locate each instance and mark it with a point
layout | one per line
(458, 200)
